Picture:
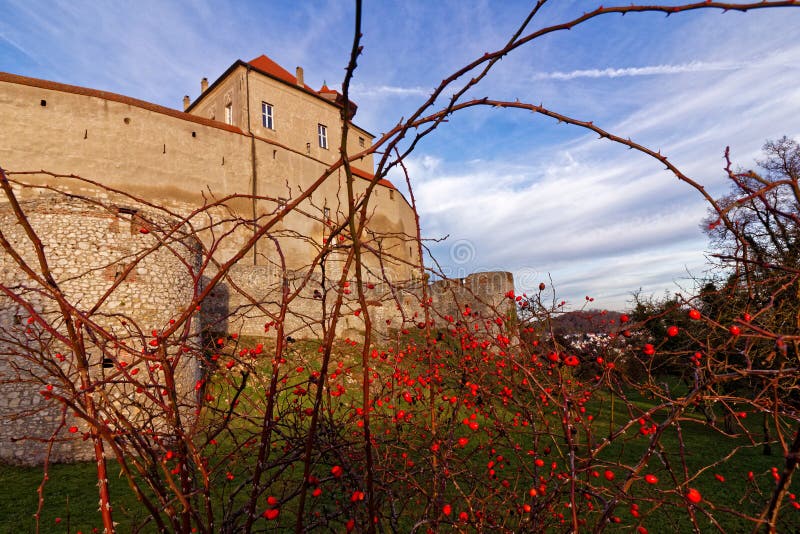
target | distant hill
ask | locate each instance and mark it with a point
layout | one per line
(586, 322)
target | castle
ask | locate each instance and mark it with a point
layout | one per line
(253, 142)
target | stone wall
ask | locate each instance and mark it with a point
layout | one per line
(250, 299)
(88, 247)
(91, 246)
(483, 293)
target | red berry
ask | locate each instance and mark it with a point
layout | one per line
(624, 318)
(651, 479)
(609, 474)
(694, 496)
(336, 471)
(649, 349)
(694, 314)
(735, 330)
(272, 513)
(446, 509)
(672, 331)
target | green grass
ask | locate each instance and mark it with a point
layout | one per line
(70, 495)
(71, 492)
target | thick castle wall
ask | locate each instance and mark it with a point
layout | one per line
(87, 248)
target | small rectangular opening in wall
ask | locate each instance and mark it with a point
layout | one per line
(194, 134)
(391, 194)
(308, 148)
(361, 142)
(132, 216)
(108, 363)
(43, 102)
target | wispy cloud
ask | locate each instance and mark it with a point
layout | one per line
(389, 90)
(650, 70)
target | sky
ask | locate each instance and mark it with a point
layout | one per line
(510, 190)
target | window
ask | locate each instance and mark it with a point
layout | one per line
(391, 194)
(326, 212)
(361, 142)
(322, 132)
(266, 116)
(229, 113)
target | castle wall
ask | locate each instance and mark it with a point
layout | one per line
(181, 161)
(483, 293)
(88, 247)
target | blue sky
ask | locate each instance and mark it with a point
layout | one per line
(512, 190)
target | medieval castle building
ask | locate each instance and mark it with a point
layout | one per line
(103, 169)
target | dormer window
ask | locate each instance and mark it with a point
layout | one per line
(361, 142)
(322, 133)
(229, 113)
(266, 116)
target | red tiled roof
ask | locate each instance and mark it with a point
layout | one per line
(369, 176)
(326, 89)
(265, 64)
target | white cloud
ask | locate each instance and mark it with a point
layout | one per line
(360, 91)
(652, 70)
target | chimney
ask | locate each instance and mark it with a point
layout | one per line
(186, 102)
(203, 85)
(299, 76)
